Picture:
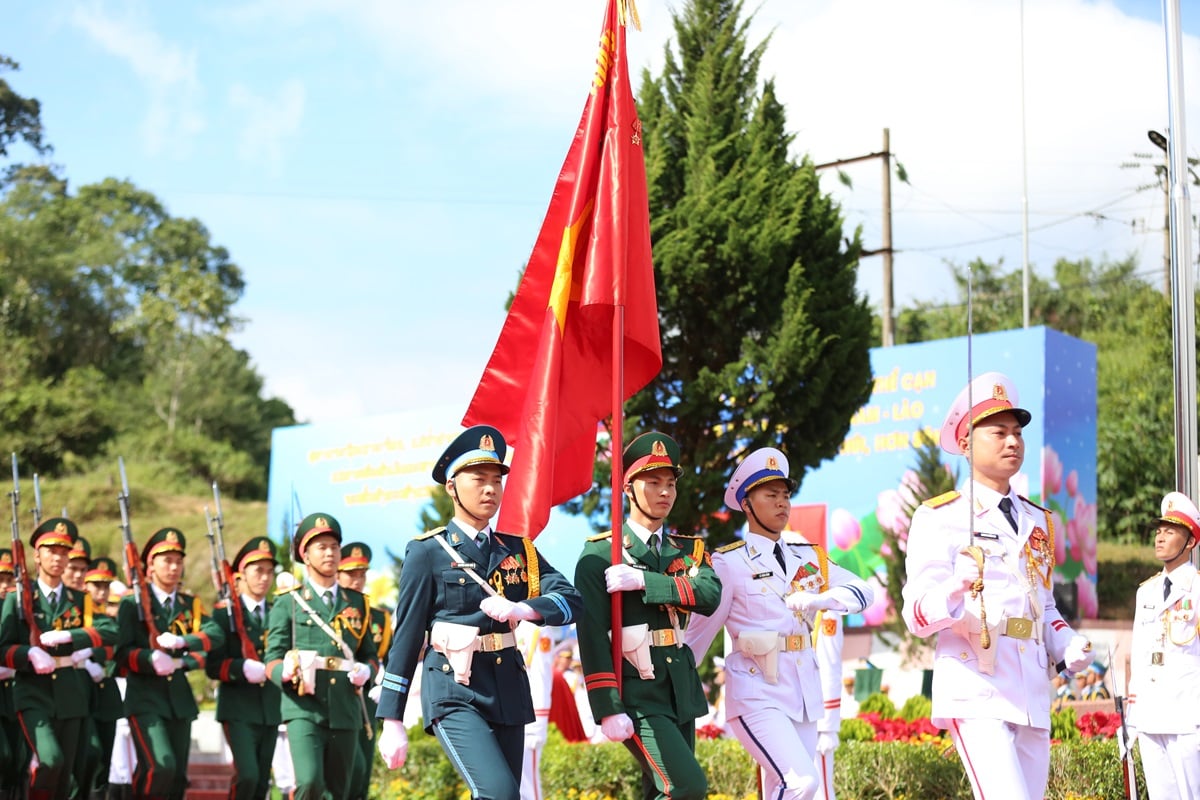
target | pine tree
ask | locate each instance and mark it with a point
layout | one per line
(765, 336)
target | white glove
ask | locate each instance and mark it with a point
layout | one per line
(966, 572)
(41, 661)
(95, 670)
(393, 743)
(1124, 745)
(254, 671)
(163, 663)
(289, 670)
(6, 673)
(809, 603)
(170, 641)
(1078, 654)
(502, 609)
(360, 674)
(55, 638)
(624, 578)
(375, 693)
(617, 727)
(827, 742)
(81, 655)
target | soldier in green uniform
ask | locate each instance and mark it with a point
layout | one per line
(662, 579)
(51, 694)
(352, 574)
(107, 706)
(14, 755)
(248, 704)
(320, 652)
(78, 562)
(466, 587)
(158, 700)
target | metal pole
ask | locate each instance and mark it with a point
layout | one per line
(1024, 190)
(889, 336)
(1182, 280)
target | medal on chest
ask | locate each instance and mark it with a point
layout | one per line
(808, 578)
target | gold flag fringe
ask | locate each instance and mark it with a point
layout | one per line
(626, 11)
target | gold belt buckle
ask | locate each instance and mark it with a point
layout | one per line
(1156, 659)
(1018, 627)
(492, 642)
(793, 643)
(664, 638)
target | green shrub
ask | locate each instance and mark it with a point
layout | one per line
(607, 768)
(1062, 725)
(879, 703)
(894, 770)
(1088, 768)
(1117, 582)
(916, 707)
(857, 730)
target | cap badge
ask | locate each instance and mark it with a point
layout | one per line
(320, 522)
(356, 552)
(60, 527)
(772, 463)
(999, 392)
(171, 537)
(486, 443)
(1170, 505)
(658, 448)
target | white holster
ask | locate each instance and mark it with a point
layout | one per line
(303, 666)
(635, 647)
(762, 647)
(986, 658)
(458, 644)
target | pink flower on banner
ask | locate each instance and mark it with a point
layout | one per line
(1052, 472)
(877, 612)
(889, 511)
(1089, 603)
(1072, 483)
(845, 528)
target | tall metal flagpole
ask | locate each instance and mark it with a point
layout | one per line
(1183, 329)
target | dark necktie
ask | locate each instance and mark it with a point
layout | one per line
(483, 542)
(258, 615)
(1166, 588)
(1006, 506)
(779, 558)
(328, 598)
(652, 543)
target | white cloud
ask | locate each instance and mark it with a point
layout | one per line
(166, 71)
(270, 121)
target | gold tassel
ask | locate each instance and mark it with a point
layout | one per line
(985, 636)
(627, 10)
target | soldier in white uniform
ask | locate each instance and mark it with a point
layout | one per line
(989, 690)
(536, 644)
(828, 637)
(772, 589)
(1164, 679)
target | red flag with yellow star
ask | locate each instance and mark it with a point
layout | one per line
(550, 378)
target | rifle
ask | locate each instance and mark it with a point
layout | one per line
(223, 577)
(24, 584)
(1128, 768)
(37, 501)
(133, 562)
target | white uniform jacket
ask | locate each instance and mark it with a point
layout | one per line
(1009, 680)
(1164, 674)
(536, 645)
(752, 590)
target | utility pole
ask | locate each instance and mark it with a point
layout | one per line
(889, 337)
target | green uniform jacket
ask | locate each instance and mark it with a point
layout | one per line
(681, 577)
(333, 703)
(146, 692)
(65, 692)
(107, 705)
(237, 700)
(433, 588)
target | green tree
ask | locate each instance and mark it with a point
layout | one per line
(20, 117)
(765, 338)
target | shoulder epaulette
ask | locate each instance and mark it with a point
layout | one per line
(731, 547)
(600, 537)
(942, 499)
(433, 532)
(681, 536)
(1152, 577)
(1035, 505)
(282, 592)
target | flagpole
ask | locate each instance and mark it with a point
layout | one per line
(618, 467)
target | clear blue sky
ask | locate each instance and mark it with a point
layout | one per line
(379, 169)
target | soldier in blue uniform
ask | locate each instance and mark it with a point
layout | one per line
(663, 579)
(51, 694)
(466, 587)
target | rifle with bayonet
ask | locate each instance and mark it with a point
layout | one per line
(133, 562)
(37, 502)
(223, 577)
(24, 584)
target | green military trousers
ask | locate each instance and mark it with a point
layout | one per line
(666, 751)
(162, 756)
(253, 747)
(322, 758)
(55, 742)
